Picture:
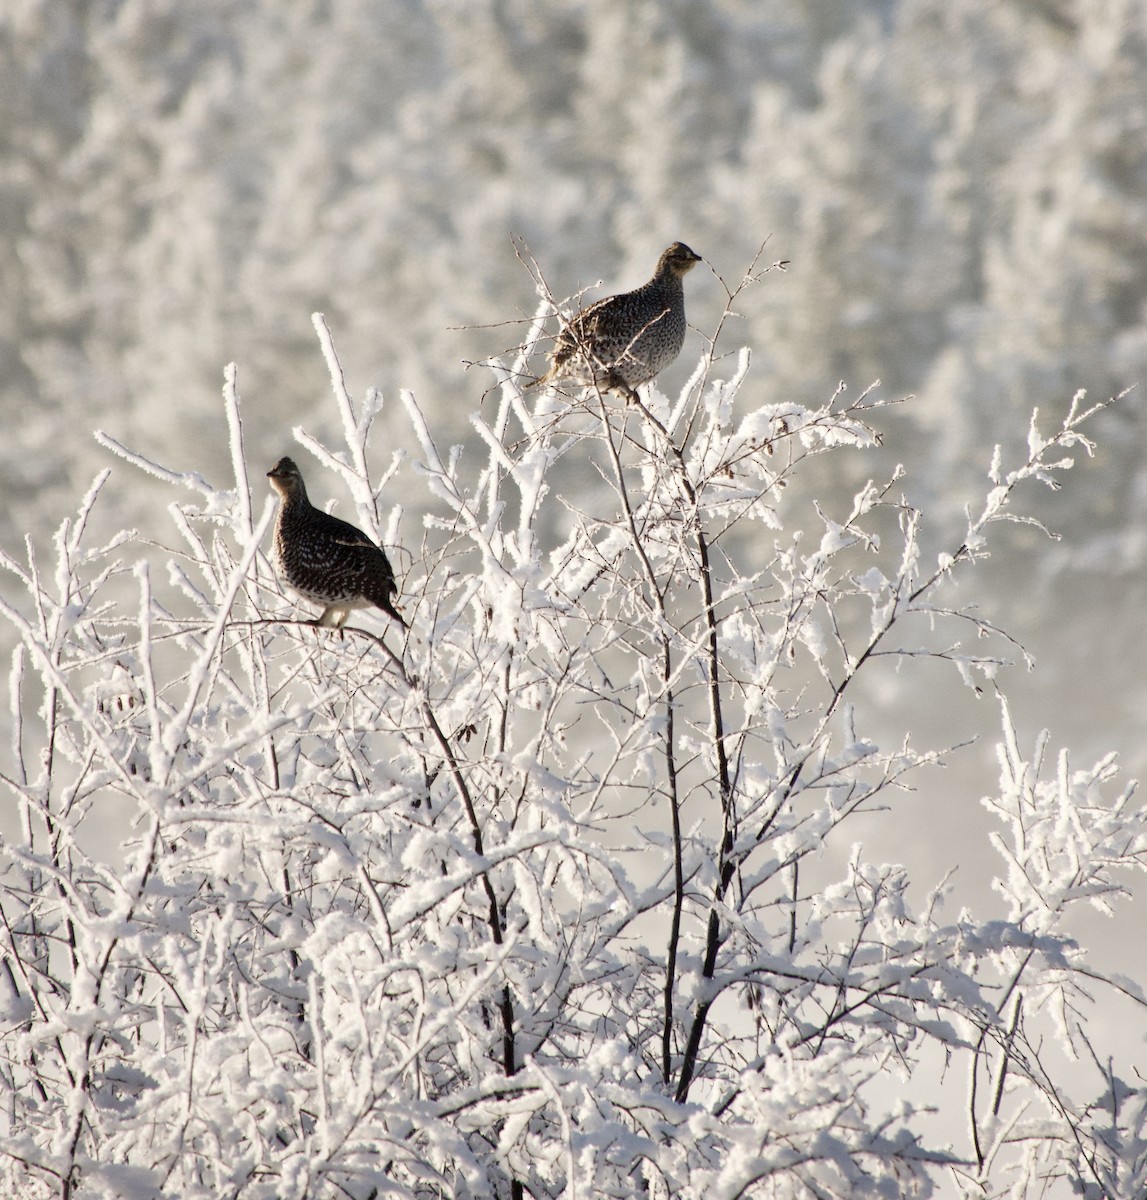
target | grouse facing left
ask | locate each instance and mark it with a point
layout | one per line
(325, 560)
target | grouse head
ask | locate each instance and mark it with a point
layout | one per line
(286, 478)
(678, 259)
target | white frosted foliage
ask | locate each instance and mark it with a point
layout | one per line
(517, 902)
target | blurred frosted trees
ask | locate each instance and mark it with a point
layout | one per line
(959, 189)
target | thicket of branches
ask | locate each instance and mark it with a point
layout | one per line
(514, 906)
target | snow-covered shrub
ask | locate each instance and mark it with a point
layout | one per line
(514, 905)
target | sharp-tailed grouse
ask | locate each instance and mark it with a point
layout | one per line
(325, 560)
(626, 340)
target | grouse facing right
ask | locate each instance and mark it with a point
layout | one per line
(626, 340)
(325, 560)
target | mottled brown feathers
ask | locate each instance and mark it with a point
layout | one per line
(324, 559)
(626, 340)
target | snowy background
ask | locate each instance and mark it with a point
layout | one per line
(960, 189)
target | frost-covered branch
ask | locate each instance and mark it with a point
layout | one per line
(523, 907)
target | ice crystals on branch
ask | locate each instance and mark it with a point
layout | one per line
(531, 906)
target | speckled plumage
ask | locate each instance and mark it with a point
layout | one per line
(325, 560)
(626, 340)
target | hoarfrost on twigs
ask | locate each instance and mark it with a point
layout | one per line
(540, 900)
